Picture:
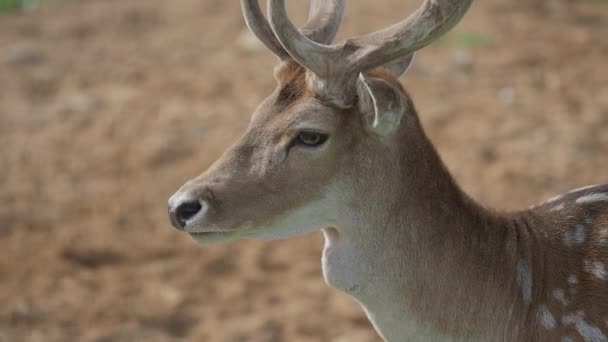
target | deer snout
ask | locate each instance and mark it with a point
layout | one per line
(183, 212)
(187, 210)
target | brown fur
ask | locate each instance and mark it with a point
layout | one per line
(463, 270)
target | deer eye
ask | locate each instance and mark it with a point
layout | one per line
(311, 139)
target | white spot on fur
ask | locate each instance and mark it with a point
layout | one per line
(603, 237)
(558, 207)
(580, 233)
(560, 296)
(524, 279)
(596, 268)
(588, 332)
(575, 236)
(593, 198)
(546, 318)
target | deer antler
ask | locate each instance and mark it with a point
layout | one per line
(324, 19)
(429, 22)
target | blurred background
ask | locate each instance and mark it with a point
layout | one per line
(107, 107)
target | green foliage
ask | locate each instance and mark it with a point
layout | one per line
(466, 39)
(470, 39)
(7, 5)
(10, 5)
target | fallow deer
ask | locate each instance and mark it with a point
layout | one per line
(338, 147)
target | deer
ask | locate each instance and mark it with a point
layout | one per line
(338, 148)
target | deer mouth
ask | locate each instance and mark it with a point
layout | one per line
(218, 236)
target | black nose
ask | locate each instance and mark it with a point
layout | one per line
(183, 213)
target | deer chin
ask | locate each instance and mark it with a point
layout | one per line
(215, 237)
(212, 233)
(203, 232)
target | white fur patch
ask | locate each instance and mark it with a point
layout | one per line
(572, 280)
(524, 279)
(575, 236)
(558, 207)
(593, 198)
(603, 237)
(546, 318)
(588, 332)
(596, 268)
(560, 296)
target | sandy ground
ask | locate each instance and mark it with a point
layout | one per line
(106, 107)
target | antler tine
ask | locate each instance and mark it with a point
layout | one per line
(428, 23)
(425, 25)
(259, 26)
(324, 20)
(312, 55)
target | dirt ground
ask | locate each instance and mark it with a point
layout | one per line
(106, 107)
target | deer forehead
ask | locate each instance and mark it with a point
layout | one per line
(295, 104)
(305, 113)
(292, 106)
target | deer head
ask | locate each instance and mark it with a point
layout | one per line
(321, 143)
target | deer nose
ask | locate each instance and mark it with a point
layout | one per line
(182, 212)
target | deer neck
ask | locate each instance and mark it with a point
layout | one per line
(420, 256)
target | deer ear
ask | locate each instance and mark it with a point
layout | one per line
(381, 104)
(400, 66)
